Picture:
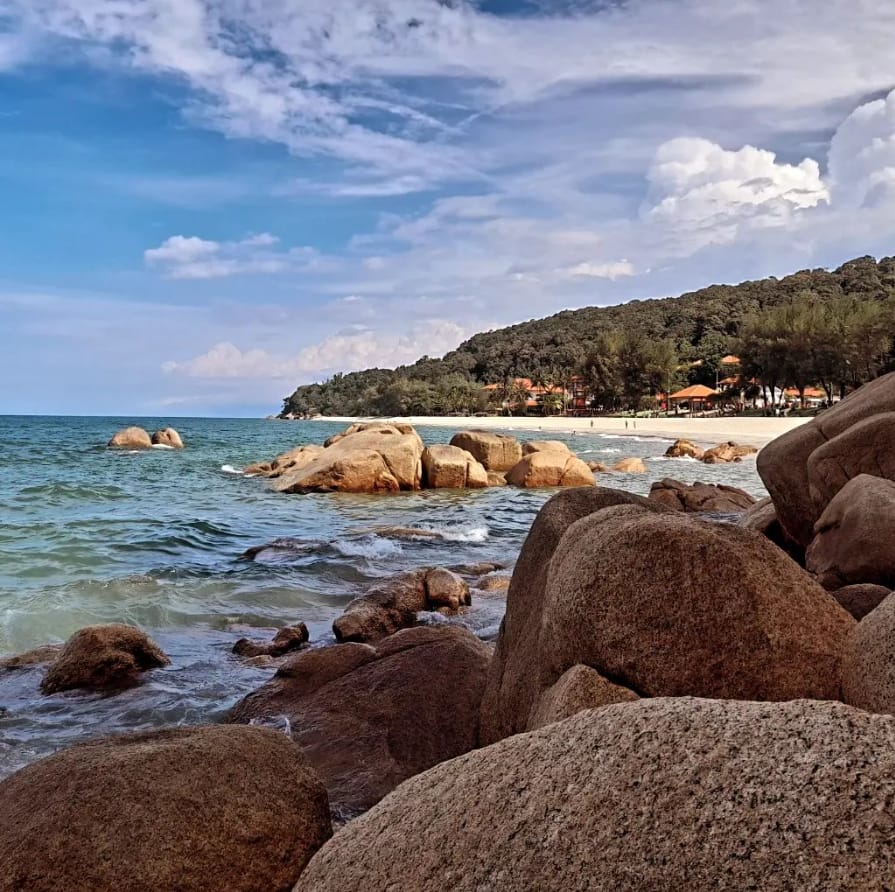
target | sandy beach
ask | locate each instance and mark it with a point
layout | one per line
(748, 431)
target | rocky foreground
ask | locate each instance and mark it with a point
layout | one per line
(671, 703)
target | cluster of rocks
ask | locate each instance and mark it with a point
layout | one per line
(138, 438)
(722, 454)
(384, 457)
(671, 703)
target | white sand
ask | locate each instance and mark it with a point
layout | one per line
(748, 431)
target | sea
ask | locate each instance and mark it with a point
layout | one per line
(154, 538)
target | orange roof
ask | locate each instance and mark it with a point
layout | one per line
(810, 392)
(696, 392)
(734, 379)
(730, 360)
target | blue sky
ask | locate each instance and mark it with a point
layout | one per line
(207, 202)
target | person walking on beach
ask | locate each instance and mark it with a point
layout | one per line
(626, 424)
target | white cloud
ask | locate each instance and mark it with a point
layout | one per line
(614, 270)
(341, 352)
(190, 257)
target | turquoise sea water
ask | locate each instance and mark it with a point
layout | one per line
(90, 535)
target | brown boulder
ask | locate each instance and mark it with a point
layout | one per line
(859, 600)
(192, 809)
(867, 447)
(167, 437)
(497, 478)
(530, 446)
(762, 517)
(868, 670)
(783, 463)
(727, 452)
(668, 794)
(104, 656)
(370, 458)
(597, 467)
(578, 689)
(368, 719)
(294, 460)
(131, 438)
(285, 641)
(540, 469)
(684, 449)
(630, 466)
(513, 678)
(668, 605)
(364, 426)
(394, 603)
(855, 536)
(700, 498)
(495, 452)
(449, 467)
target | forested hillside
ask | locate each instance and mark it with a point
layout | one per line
(832, 329)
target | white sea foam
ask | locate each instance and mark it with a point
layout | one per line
(161, 446)
(229, 469)
(371, 547)
(472, 534)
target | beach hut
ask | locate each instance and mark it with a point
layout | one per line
(696, 396)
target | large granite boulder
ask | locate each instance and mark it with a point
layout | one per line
(131, 438)
(667, 794)
(542, 469)
(514, 675)
(578, 689)
(366, 458)
(664, 605)
(700, 498)
(449, 467)
(861, 599)
(192, 809)
(868, 670)
(855, 536)
(167, 437)
(630, 466)
(102, 657)
(394, 602)
(725, 453)
(531, 446)
(762, 517)
(495, 452)
(368, 718)
(788, 473)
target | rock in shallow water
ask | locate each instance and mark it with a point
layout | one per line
(368, 718)
(667, 794)
(286, 640)
(104, 656)
(188, 809)
(131, 438)
(700, 498)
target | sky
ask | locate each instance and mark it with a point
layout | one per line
(204, 203)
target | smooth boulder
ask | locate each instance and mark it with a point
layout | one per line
(167, 437)
(513, 677)
(855, 536)
(579, 688)
(286, 640)
(449, 467)
(394, 603)
(193, 809)
(104, 656)
(630, 466)
(700, 498)
(666, 794)
(725, 453)
(368, 718)
(544, 469)
(859, 600)
(495, 452)
(684, 449)
(131, 438)
(294, 460)
(365, 459)
(530, 446)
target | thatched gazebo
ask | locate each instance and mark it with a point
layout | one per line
(697, 395)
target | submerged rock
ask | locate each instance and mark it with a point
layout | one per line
(700, 498)
(285, 641)
(727, 452)
(104, 656)
(38, 657)
(495, 452)
(667, 794)
(394, 603)
(131, 438)
(684, 449)
(293, 460)
(167, 437)
(630, 466)
(368, 718)
(192, 809)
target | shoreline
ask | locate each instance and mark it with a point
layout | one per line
(746, 431)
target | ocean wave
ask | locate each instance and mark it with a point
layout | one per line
(58, 491)
(469, 534)
(160, 446)
(236, 472)
(370, 547)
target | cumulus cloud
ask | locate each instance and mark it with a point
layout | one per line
(190, 257)
(341, 352)
(611, 271)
